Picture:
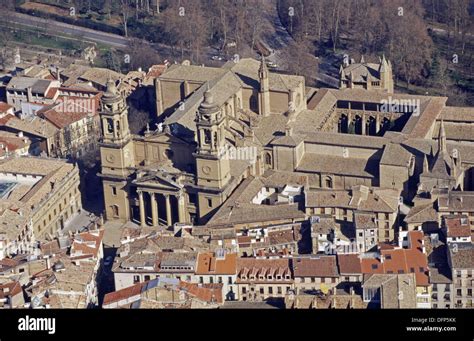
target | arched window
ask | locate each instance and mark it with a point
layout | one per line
(115, 210)
(268, 159)
(328, 182)
(253, 103)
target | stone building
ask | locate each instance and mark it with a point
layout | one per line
(389, 291)
(260, 279)
(461, 261)
(315, 273)
(369, 76)
(38, 198)
(24, 90)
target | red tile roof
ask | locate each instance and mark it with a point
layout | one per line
(10, 289)
(123, 294)
(6, 118)
(4, 107)
(457, 226)
(211, 293)
(70, 109)
(156, 70)
(51, 93)
(411, 260)
(84, 243)
(321, 266)
(208, 264)
(13, 143)
(349, 264)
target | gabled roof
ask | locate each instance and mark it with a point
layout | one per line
(349, 264)
(422, 214)
(401, 260)
(209, 264)
(315, 266)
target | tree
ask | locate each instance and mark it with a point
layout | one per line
(142, 55)
(439, 75)
(299, 60)
(112, 60)
(185, 26)
(125, 15)
(409, 46)
(138, 120)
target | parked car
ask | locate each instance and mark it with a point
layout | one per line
(272, 65)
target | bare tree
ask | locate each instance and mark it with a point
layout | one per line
(138, 120)
(125, 15)
(142, 55)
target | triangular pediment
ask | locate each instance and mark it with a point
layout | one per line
(164, 137)
(159, 181)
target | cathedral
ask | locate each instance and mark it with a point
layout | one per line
(181, 171)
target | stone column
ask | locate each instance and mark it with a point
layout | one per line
(168, 210)
(377, 124)
(363, 124)
(142, 209)
(154, 209)
(181, 208)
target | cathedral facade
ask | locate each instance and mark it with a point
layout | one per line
(183, 170)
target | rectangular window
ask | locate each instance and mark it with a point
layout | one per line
(114, 190)
(209, 202)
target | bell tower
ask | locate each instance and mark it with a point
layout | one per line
(116, 153)
(212, 162)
